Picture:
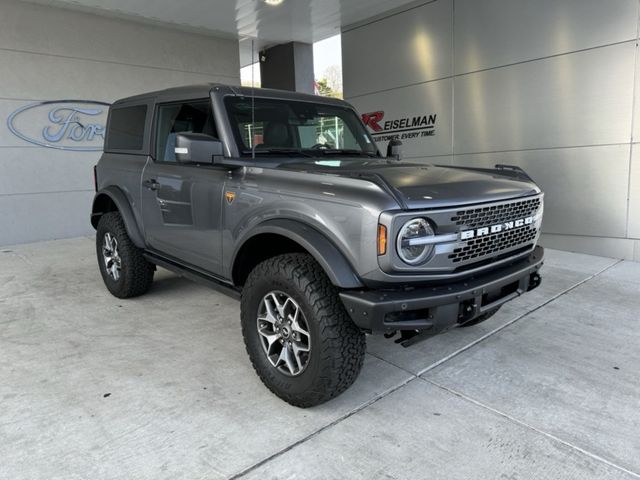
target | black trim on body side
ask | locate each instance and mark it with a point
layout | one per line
(192, 273)
(120, 200)
(340, 272)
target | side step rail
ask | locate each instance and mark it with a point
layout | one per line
(197, 276)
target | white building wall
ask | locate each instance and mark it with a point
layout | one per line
(551, 86)
(48, 53)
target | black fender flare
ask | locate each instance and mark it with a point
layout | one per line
(323, 250)
(122, 204)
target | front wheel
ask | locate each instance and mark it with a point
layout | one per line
(301, 342)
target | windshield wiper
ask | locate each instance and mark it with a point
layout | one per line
(347, 151)
(288, 151)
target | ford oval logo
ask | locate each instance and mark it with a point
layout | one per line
(62, 124)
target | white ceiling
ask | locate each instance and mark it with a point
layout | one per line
(293, 20)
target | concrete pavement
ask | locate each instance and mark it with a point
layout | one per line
(159, 387)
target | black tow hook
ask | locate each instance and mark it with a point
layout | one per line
(467, 311)
(534, 281)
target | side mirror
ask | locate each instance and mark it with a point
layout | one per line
(394, 149)
(197, 148)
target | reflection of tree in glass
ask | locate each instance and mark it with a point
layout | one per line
(330, 82)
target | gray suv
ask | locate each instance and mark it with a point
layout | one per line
(283, 201)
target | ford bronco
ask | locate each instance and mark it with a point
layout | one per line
(283, 201)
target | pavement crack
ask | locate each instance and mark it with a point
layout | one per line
(316, 432)
(417, 376)
(389, 362)
(514, 320)
(531, 427)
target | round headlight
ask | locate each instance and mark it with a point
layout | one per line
(412, 252)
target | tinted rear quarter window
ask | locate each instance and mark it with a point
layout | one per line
(126, 128)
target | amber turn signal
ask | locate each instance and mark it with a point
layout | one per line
(382, 239)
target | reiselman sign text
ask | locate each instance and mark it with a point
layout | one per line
(399, 128)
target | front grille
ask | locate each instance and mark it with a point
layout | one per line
(481, 246)
(494, 214)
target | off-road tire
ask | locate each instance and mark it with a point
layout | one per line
(485, 316)
(136, 274)
(337, 345)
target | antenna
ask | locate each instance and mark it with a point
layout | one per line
(253, 106)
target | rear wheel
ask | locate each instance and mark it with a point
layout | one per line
(301, 342)
(125, 271)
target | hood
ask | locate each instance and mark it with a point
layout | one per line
(420, 186)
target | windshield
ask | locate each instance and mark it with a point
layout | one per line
(300, 128)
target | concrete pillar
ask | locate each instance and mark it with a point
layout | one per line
(288, 67)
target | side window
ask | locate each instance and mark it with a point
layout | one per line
(173, 118)
(126, 128)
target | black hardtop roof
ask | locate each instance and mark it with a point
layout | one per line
(200, 91)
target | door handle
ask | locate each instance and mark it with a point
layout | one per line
(151, 184)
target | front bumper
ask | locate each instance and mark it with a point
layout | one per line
(437, 308)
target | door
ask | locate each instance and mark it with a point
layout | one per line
(181, 203)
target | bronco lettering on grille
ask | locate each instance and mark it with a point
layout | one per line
(500, 227)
